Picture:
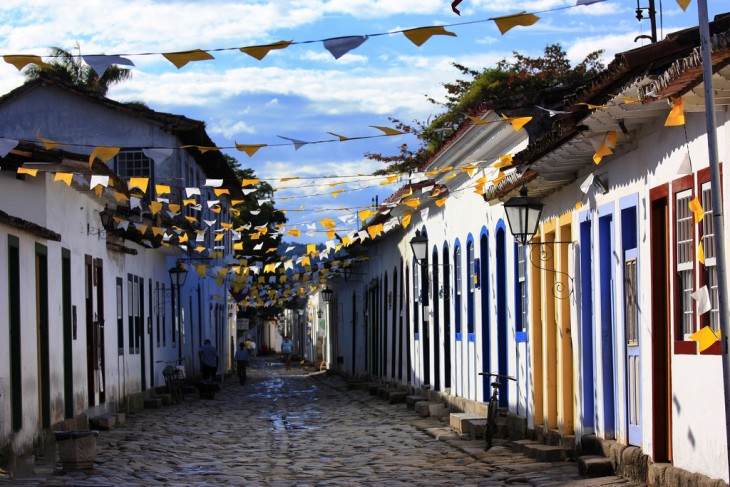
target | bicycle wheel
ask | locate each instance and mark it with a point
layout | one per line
(491, 423)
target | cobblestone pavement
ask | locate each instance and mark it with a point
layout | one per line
(292, 428)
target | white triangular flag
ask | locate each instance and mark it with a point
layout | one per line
(192, 191)
(97, 180)
(297, 143)
(213, 183)
(702, 296)
(100, 62)
(156, 154)
(586, 185)
(6, 145)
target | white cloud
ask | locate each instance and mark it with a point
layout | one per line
(326, 57)
(229, 129)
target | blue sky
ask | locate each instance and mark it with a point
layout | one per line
(302, 92)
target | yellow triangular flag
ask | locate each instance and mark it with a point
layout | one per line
(188, 202)
(47, 143)
(406, 219)
(387, 130)
(162, 189)
(328, 223)
(500, 177)
(579, 205)
(390, 179)
(220, 191)
(421, 34)
(284, 180)
(200, 269)
(180, 59)
(22, 60)
(517, 122)
(413, 203)
(696, 208)
(183, 238)
(140, 183)
(468, 168)
(66, 177)
(174, 208)
(705, 337)
(103, 153)
(365, 214)
(99, 190)
(311, 248)
(335, 193)
(260, 52)
(294, 233)
(508, 21)
(441, 202)
(330, 234)
(341, 137)
(191, 219)
(684, 4)
(504, 161)
(29, 172)
(249, 182)
(603, 150)
(155, 207)
(478, 120)
(701, 253)
(676, 116)
(249, 149)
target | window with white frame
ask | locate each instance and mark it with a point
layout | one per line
(684, 258)
(522, 286)
(708, 245)
(133, 163)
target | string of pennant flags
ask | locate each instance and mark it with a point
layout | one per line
(336, 46)
(262, 280)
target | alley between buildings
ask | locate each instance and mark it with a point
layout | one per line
(299, 427)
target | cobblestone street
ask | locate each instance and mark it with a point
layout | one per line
(292, 428)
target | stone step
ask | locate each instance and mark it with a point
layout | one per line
(457, 421)
(358, 385)
(165, 398)
(384, 392)
(153, 403)
(104, 422)
(546, 453)
(520, 446)
(412, 400)
(593, 466)
(427, 409)
(397, 397)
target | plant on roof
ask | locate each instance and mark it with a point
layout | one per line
(509, 79)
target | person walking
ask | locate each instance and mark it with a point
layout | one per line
(286, 346)
(241, 358)
(208, 360)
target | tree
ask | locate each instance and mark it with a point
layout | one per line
(268, 214)
(524, 75)
(71, 68)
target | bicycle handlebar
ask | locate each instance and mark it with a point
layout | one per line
(498, 375)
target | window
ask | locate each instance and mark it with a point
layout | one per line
(416, 297)
(130, 311)
(471, 280)
(684, 264)
(631, 302)
(120, 315)
(708, 275)
(521, 288)
(457, 291)
(134, 164)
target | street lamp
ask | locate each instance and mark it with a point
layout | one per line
(327, 294)
(177, 280)
(419, 246)
(523, 215)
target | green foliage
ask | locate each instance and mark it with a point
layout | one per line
(521, 76)
(72, 69)
(268, 215)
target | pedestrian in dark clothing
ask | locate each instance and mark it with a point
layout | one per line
(241, 359)
(208, 360)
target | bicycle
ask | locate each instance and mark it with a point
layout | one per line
(492, 409)
(174, 374)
